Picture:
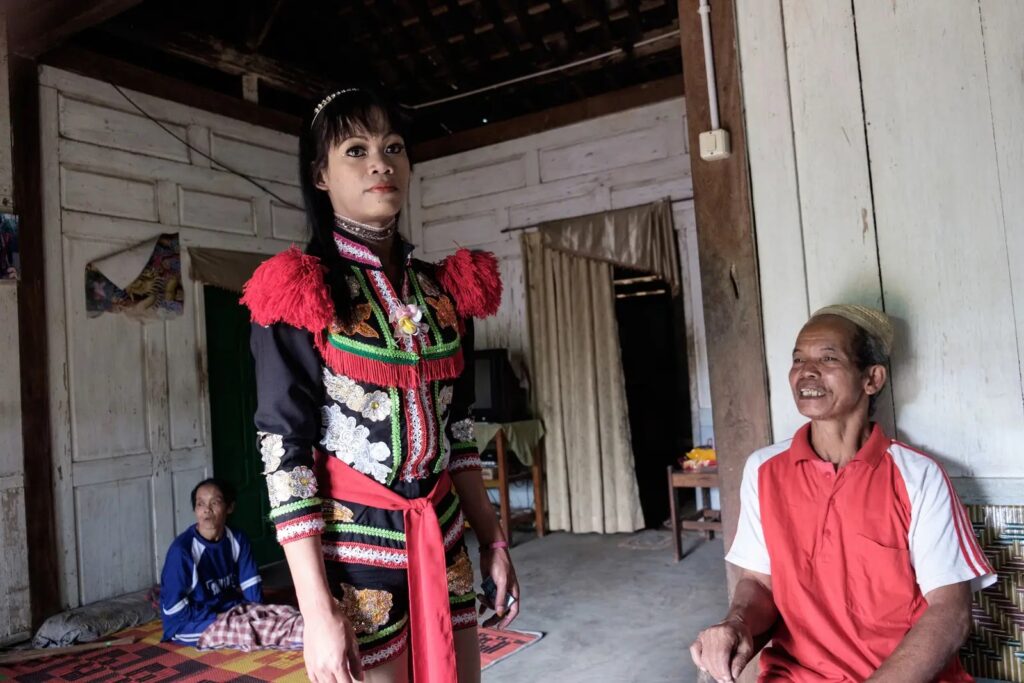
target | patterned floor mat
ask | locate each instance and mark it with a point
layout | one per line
(147, 660)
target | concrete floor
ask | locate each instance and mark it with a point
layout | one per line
(614, 608)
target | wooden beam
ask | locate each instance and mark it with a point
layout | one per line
(142, 80)
(452, 60)
(419, 74)
(40, 512)
(728, 256)
(592, 107)
(216, 54)
(40, 25)
(260, 24)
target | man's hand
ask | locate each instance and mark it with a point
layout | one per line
(723, 650)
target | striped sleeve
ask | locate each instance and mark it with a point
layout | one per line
(749, 549)
(943, 547)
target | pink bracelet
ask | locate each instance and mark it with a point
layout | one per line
(499, 544)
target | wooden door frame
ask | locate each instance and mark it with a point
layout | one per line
(728, 256)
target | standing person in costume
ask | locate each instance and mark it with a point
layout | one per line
(364, 416)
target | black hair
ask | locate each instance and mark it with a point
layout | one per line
(226, 490)
(867, 351)
(355, 110)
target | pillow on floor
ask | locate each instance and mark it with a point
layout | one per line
(95, 621)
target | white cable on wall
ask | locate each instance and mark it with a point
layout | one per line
(709, 62)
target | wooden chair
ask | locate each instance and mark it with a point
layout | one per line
(503, 479)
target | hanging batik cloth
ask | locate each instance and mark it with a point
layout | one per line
(143, 281)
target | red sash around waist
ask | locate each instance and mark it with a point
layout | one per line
(430, 619)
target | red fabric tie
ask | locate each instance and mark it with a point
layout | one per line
(430, 617)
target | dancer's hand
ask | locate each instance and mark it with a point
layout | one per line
(330, 648)
(497, 563)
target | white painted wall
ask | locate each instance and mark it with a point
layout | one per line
(624, 159)
(130, 413)
(887, 152)
(15, 619)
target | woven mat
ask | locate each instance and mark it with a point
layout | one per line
(149, 660)
(994, 648)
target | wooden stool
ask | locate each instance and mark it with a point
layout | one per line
(707, 520)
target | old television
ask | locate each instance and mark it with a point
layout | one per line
(499, 398)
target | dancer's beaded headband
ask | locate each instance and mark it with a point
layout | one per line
(327, 100)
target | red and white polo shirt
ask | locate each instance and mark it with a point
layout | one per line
(851, 553)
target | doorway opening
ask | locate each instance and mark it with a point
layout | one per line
(652, 337)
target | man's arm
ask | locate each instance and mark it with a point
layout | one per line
(933, 640)
(724, 649)
(249, 579)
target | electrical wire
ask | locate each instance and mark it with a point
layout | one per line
(195, 149)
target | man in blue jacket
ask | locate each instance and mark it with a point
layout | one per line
(211, 591)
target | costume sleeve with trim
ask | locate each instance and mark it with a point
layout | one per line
(459, 430)
(943, 547)
(288, 303)
(473, 280)
(749, 549)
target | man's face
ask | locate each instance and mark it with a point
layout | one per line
(211, 510)
(824, 377)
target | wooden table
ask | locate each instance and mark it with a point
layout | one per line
(705, 519)
(535, 472)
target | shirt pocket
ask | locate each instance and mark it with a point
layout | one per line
(880, 582)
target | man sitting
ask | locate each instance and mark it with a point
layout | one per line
(856, 553)
(211, 589)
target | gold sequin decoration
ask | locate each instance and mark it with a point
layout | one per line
(336, 513)
(460, 575)
(366, 608)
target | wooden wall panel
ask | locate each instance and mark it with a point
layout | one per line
(259, 161)
(219, 212)
(475, 181)
(110, 127)
(941, 234)
(943, 157)
(108, 194)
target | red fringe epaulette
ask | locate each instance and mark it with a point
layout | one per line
(289, 288)
(472, 278)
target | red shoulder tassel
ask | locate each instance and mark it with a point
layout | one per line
(473, 280)
(289, 287)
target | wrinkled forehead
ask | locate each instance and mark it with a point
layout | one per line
(826, 331)
(209, 492)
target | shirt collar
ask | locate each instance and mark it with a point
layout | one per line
(360, 253)
(870, 453)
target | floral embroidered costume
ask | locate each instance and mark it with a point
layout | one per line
(379, 406)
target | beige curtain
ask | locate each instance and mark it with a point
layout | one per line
(639, 237)
(580, 392)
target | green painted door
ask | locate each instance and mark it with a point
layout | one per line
(232, 406)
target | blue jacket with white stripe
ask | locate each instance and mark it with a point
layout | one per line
(202, 579)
